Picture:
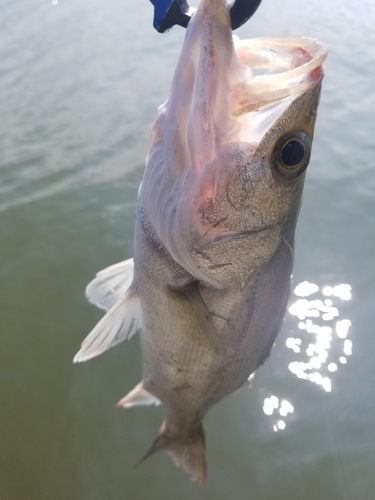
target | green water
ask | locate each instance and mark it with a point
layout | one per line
(79, 86)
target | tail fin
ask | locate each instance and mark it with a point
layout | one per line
(187, 450)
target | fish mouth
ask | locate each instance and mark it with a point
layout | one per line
(289, 66)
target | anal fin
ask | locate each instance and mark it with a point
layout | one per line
(138, 397)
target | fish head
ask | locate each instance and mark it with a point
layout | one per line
(264, 188)
(246, 203)
(230, 147)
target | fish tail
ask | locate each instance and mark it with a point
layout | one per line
(186, 449)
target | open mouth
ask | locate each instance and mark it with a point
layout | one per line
(288, 67)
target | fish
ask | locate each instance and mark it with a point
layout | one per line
(215, 220)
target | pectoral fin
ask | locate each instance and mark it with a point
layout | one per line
(193, 297)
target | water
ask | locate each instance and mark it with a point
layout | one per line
(79, 86)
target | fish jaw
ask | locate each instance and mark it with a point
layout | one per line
(217, 115)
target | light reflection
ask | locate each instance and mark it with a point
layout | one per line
(270, 404)
(341, 291)
(342, 328)
(313, 312)
(319, 328)
(281, 408)
(280, 426)
(294, 344)
(327, 316)
(305, 289)
(304, 308)
(286, 408)
(348, 347)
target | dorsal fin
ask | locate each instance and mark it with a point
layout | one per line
(110, 284)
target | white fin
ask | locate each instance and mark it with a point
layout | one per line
(110, 284)
(120, 323)
(138, 397)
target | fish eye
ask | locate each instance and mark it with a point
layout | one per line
(291, 155)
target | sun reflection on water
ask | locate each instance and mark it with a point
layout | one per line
(318, 329)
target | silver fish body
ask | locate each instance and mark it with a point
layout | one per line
(215, 223)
